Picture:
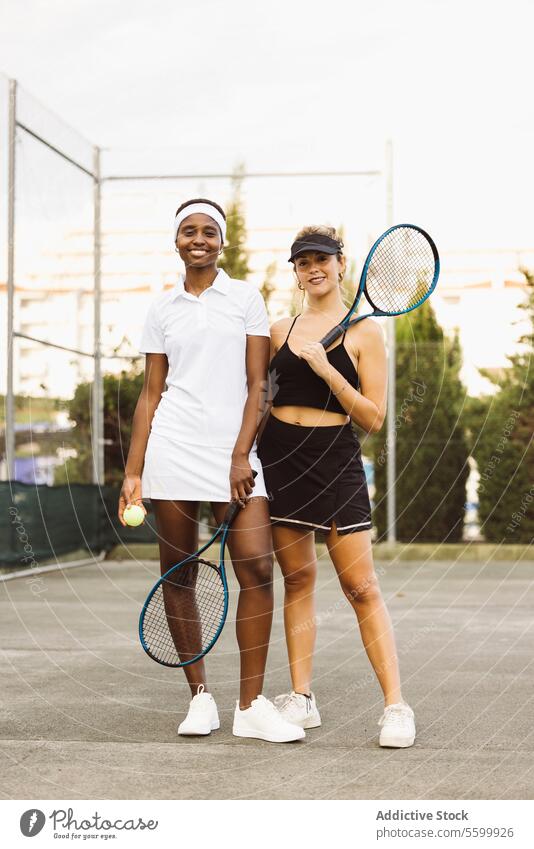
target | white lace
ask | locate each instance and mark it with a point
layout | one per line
(200, 703)
(399, 715)
(282, 700)
(292, 700)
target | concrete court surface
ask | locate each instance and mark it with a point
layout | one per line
(86, 715)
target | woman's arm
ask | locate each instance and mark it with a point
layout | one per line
(366, 408)
(156, 369)
(257, 361)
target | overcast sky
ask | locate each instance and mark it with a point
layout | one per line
(289, 84)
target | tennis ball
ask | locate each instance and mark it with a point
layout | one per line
(134, 515)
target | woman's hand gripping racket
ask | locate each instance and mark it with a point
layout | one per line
(401, 271)
(185, 611)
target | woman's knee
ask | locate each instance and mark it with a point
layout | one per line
(255, 572)
(361, 591)
(301, 578)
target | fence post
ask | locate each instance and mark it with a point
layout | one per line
(10, 393)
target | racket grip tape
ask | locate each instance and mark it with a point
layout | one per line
(332, 335)
(233, 509)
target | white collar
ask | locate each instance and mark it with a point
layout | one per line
(220, 284)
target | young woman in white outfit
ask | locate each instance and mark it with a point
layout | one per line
(208, 341)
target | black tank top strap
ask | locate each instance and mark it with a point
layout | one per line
(292, 325)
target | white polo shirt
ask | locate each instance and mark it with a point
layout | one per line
(204, 339)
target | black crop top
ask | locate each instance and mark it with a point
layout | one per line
(294, 382)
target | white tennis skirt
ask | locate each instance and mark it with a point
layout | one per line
(176, 471)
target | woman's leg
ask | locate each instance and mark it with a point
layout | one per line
(250, 547)
(295, 552)
(352, 557)
(177, 526)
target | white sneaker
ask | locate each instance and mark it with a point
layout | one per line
(263, 721)
(298, 709)
(398, 726)
(202, 716)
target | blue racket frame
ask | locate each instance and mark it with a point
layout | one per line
(223, 529)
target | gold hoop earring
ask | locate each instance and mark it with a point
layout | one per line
(340, 277)
(300, 286)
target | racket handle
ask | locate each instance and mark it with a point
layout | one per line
(234, 507)
(332, 335)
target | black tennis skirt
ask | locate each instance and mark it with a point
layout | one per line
(314, 477)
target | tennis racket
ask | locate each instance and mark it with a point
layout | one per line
(401, 271)
(185, 611)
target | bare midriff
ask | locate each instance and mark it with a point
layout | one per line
(309, 416)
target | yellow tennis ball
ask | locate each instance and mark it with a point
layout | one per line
(134, 515)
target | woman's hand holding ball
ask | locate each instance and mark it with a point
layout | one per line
(131, 511)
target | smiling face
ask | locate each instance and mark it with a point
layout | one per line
(199, 240)
(319, 273)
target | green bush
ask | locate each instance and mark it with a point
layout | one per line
(120, 398)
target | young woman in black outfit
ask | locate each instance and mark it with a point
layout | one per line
(315, 479)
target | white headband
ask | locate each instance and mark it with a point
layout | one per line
(207, 209)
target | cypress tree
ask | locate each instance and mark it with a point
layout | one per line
(234, 260)
(431, 447)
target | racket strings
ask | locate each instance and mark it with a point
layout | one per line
(401, 271)
(185, 612)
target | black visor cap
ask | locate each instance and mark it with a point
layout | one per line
(314, 242)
